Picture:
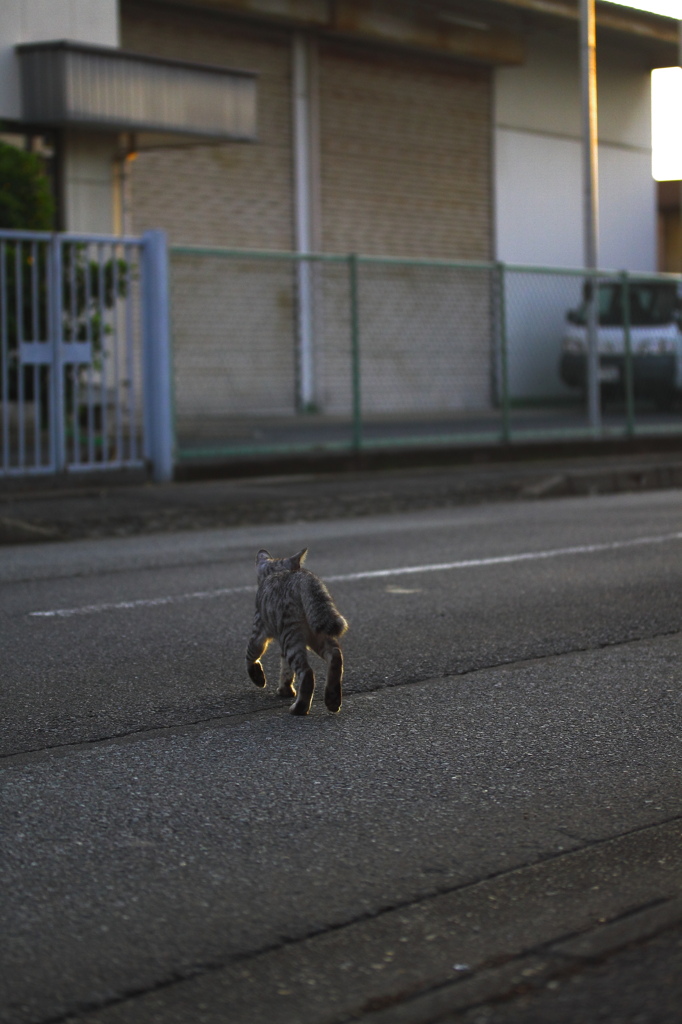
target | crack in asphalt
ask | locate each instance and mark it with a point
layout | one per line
(225, 718)
(193, 971)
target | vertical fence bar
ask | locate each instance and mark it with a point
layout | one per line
(504, 354)
(19, 308)
(39, 334)
(35, 337)
(593, 361)
(101, 345)
(116, 350)
(4, 355)
(90, 426)
(627, 348)
(55, 321)
(130, 355)
(157, 355)
(355, 350)
(71, 374)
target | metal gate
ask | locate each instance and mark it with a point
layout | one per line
(84, 374)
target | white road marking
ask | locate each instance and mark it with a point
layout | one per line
(142, 602)
(408, 570)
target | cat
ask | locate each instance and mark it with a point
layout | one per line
(294, 607)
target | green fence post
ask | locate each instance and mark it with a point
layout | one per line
(504, 361)
(355, 350)
(627, 347)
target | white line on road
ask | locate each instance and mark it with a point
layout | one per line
(142, 602)
(470, 563)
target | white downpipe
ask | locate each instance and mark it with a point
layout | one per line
(303, 213)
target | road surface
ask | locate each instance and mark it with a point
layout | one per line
(496, 812)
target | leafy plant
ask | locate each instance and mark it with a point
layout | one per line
(90, 289)
(26, 202)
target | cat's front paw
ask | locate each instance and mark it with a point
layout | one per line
(256, 674)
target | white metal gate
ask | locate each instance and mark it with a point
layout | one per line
(84, 375)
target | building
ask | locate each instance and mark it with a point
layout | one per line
(442, 129)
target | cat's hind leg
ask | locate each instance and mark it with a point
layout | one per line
(331, 652)
(254, 652)
(286, 679)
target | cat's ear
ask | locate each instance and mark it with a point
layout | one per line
(298, 559)
(263, 556)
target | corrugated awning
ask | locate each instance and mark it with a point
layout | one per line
(67, 84)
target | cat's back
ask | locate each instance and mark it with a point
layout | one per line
(279, 597)
(300, 596)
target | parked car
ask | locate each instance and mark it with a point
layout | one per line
(655, 340)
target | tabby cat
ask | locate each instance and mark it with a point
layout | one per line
(294, 607)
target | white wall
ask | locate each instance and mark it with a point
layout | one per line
(87, 161)
(89, 181)
(538, 189)
(33, 21)
(538, 177)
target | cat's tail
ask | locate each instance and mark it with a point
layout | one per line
(337, 626)
(322, 614)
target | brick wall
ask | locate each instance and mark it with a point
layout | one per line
(404, 147)
(404, 171)
(232, 194)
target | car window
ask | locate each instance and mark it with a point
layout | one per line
(650, 304)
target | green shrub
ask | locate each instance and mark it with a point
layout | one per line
(26, 203)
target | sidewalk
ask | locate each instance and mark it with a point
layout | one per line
(107, 507)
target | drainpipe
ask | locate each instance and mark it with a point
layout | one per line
(122, 197)
(304, 110)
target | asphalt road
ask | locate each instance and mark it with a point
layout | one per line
(490, 830)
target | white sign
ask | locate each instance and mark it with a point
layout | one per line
(666, 124)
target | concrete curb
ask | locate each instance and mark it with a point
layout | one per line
(109, 510)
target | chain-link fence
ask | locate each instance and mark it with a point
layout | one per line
(277, 352)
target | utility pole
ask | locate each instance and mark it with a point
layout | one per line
(679, 60)
(588, 75)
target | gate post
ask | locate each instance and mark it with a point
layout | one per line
(158, 401)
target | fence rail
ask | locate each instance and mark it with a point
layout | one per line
(278, 352)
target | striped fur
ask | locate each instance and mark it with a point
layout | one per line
(294, 607)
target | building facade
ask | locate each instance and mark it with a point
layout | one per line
(442, 130)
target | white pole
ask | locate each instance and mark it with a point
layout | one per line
(303, 215)
(588, 69)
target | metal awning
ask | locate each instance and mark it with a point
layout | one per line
(67, 84)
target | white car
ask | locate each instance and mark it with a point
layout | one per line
(655, 341)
